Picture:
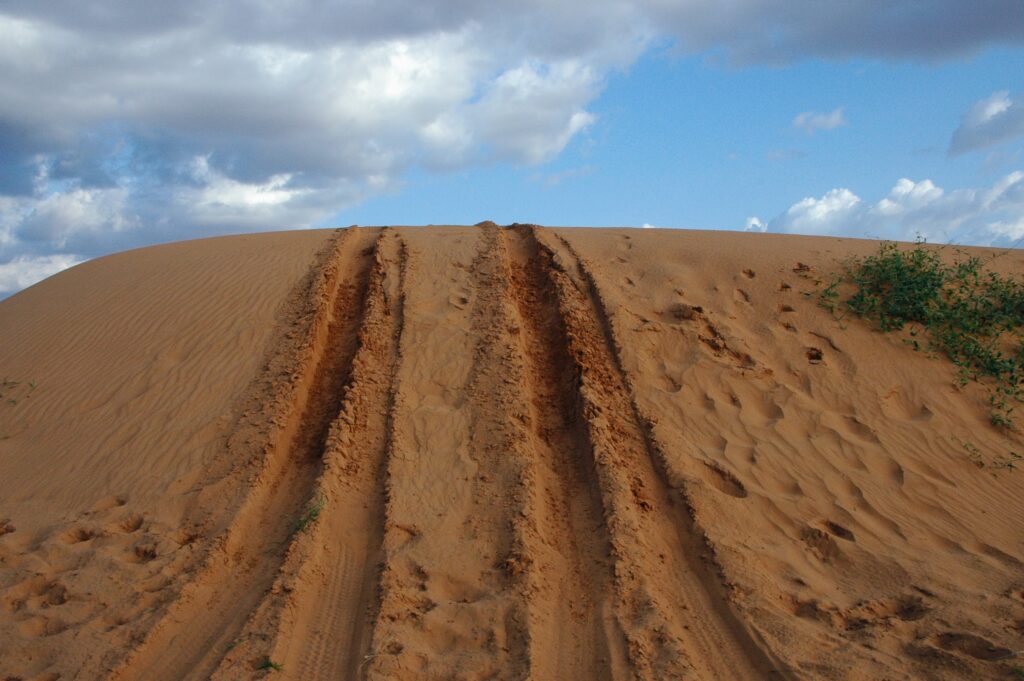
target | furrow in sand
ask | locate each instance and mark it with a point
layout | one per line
(671, 602)
(566, 553)
(202, 623)
(332, 612)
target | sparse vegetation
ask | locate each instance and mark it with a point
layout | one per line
(963, 310)
(270, 664)
(1007, 461)
(12, 392)
(310, 515)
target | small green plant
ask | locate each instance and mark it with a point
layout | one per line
(310, 515)
(1008, 462)
(974, 454)
(1017, 672)
(12, 394)
(970, 314)
(270, 664)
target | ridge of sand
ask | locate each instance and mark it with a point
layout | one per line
(404, 453)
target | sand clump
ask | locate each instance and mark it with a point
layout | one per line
(493, 452)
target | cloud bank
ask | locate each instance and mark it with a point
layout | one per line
(989, 215)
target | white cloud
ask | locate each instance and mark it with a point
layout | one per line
(812, 121)
(819, 216)
(58, 216)
(1011, 229)
(754, 224)
(984, 216)
(990, 121)
(27, 270)
(530, 112)
(294, 118)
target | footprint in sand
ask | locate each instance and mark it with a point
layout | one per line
(821, 545)
(77, 535)
(724, 481)
(975, 646)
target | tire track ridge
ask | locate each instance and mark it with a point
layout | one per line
(707, 597)
(496, 437)
(566, 553)
(314, 620)
(279, 439)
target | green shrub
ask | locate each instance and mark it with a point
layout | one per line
(963, 310)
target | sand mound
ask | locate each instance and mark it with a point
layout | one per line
(492, 453)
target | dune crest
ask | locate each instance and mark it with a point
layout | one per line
(488, 452)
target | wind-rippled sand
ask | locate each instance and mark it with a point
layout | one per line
(493, 453)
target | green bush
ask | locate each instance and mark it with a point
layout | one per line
(969, 313)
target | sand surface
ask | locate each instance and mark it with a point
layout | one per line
(493, 453)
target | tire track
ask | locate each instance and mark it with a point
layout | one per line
(195, 633)
(677, 620)
(573, 633)
(335, 639)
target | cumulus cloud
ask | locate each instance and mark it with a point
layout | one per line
(754, 224)
(27, 270)
(812, 121)
(231, 115)
(986, 216)
(991, 121)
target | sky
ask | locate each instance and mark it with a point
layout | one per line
(126, 124)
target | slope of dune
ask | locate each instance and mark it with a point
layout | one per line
(493, 453)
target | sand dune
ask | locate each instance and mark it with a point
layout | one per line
(492, 453)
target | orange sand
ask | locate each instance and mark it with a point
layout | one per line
(488, 453)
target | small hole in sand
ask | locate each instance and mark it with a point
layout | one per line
(79, 534)
(684, 311)
(839, 531)
(910, 609)
(144, 553)
(131, 523)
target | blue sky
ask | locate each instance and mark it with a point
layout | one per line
(123, 125)
(683, 141)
